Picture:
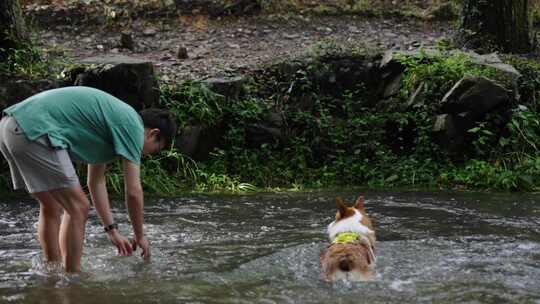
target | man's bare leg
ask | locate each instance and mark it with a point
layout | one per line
(49, 226)
(72, 229)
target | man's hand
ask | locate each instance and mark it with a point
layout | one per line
(134, 202)
(121, 242)
(145, 246)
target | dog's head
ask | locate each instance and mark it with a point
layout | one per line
(350, 219)
(351, 255)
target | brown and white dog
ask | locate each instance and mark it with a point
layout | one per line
(351, 256)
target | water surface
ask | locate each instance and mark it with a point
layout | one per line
(264, 248)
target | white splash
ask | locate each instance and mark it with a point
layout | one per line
(350, 276)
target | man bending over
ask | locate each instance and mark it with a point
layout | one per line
(40, 136)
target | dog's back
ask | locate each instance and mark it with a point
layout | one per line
(351, 256)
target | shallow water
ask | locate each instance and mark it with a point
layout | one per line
(432, 247)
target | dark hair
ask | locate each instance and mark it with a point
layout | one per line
(154, 118)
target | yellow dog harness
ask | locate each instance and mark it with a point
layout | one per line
(346, 237)
(353, 237)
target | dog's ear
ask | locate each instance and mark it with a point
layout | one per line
(342, 209)
(359, 204)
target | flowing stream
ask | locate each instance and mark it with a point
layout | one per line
(264, 248)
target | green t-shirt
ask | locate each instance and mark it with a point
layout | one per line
(93, 125)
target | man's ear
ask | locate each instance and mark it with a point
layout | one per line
(154, 132)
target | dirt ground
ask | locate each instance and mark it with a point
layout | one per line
(232, 45)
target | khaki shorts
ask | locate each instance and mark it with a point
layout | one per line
(35, 165)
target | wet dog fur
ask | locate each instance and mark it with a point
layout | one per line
(351, 260)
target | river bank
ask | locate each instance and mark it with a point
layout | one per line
(302, 101)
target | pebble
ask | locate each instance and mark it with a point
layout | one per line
(291, 36)
(150, 32)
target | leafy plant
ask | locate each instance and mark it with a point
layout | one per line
(524, 132)
(192, 102)
(439, 72)
(330, 138)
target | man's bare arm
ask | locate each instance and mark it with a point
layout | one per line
(98, 192)
(135, 203)
(97, 185)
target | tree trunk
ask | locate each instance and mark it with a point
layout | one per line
(489, 25)
(12, 26)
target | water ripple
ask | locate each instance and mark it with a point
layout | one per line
(432, 247)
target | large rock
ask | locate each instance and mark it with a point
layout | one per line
(390, 62)
(197, 142)
(268, 131)
(492, 60)
(477, 95)
(465, 104)
(229, 87)
(391, 71)
(13, 90)
(341, 74)
(450, 132)
(132, 82)
(392, 85)
(327, 73)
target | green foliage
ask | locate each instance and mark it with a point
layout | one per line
(192, 103)
(246, 110)
(508, 146)
(524, 133)
(529, 82)
(337, 140)
(331, 138)
(171, 173)
(507, 160)
(439, 72)
(534, 12)
(223, 183)
(26, 60)
(480, 174)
